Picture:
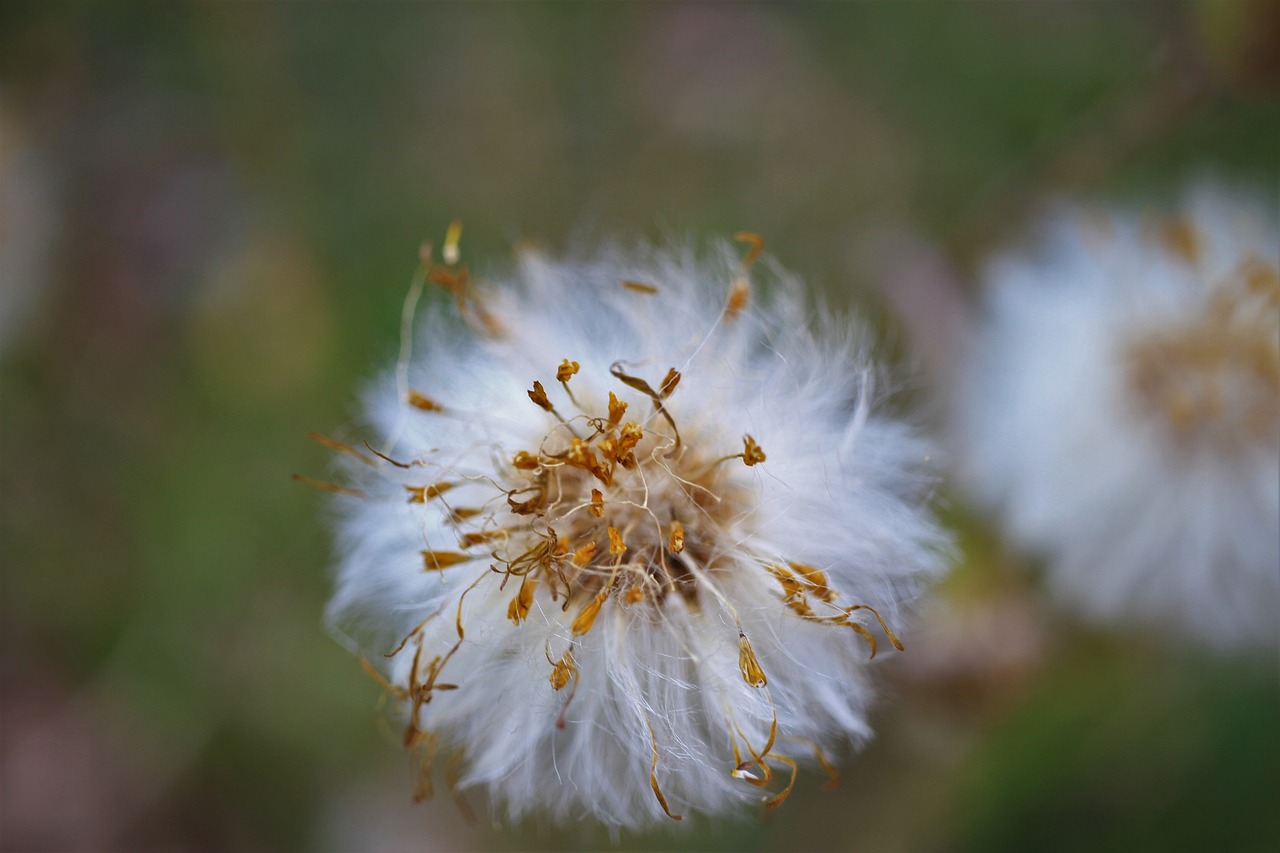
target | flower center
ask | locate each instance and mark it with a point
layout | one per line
(1214, 383)
(605, 506)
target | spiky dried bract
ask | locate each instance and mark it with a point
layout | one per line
(1124, 415)
(573, 567)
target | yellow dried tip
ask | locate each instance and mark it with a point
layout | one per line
(584, 620)
(566, 369)
(340, 447)
(739, 296)
(676, 543)
(617, 409)
(752, 454)
(327, 487)
(583, 555)
(747, 663)
(519, 607)
(757, 246)
(597, 503)
(640, 287)
(525, 461)
(422, 494)
(816, 579)
(562, 670)
(653, 776)
(669, 383)
(616, 546)
(422, 402)
(634, 595)
(470, 540)
(451, 238)
(539, 396)
(433, 561)
(580, 455)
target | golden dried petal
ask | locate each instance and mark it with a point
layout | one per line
(422, 494)
(587, 617)
(669, 383)
(617, 409)
(562, 670)
(752, 453)
(519, 607)
(566, 369)
(748, 664)
(597, 503)
(676, 543)
(538, 395)
(616, 546)
(525, 461)
(816, 579)
(437, 560)
(583, 555)
(422, 402)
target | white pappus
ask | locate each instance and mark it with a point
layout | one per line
(625, 532)
(1124, 414)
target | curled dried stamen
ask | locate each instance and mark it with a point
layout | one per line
(757, 247)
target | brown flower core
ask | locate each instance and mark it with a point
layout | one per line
(1214, 383)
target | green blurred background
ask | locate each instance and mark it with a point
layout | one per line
(209, 217)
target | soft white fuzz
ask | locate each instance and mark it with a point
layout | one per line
(1124, 415)
(575, 675)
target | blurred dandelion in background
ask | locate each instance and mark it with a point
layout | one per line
(624, 546)
(1124, 413)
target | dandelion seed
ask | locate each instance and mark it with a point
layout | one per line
(572, 655)
(1124, 415)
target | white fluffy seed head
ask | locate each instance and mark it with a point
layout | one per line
(1124, 414)
(629, 534)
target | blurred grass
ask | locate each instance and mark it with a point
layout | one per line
(241, 190)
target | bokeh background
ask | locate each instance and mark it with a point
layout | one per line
(209, 216)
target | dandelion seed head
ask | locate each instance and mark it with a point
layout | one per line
(1124, 414)
(630, 535)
